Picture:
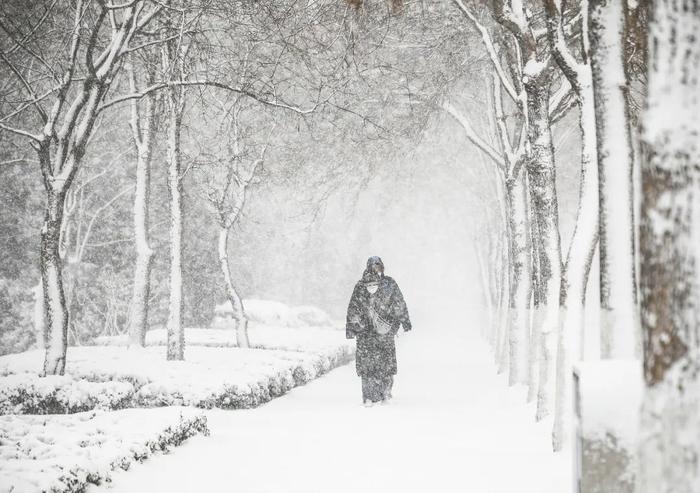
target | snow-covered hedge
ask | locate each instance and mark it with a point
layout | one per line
(65, 453)
(27, 393)
(117, 377)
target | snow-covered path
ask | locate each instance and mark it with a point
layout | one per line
(452, 426)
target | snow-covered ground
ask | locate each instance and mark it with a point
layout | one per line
(453, 425)
(52, 453)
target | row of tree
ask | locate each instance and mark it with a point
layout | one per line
(638, 179)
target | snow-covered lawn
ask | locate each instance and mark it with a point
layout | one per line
(209, 377)
(67, 452)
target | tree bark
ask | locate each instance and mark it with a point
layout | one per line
(175, 329)
(536, 312)
(543, 196)
(520, 281)
(670, 249)
(56, 314)
(239, 315)
(619, 317)
(143, 137)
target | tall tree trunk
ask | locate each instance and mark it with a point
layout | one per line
(520, 281)
(239, 314)
(536, 312)
(670, 248)
(577, 268)
(143, 137)
(542, 181)
(619, 317)
(39, 316)
(175, 329)
(56, 314)
(502, 359)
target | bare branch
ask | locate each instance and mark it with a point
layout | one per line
(219, 85)
(490, 49)
(21, 132)
(472, 135)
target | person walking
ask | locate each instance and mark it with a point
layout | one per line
(376, 312)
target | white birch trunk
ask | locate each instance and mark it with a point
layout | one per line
(520, 281)
(175, 329)
(669, 459)
(619, 318)
(577, 268)
(138, 316)
(239, 314)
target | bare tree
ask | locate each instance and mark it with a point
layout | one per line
(509, 158)
(670, 249)
(78, 79)
(224, 180)
(568, 34)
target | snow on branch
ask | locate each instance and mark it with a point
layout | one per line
(560, 50)
(472, 135)
(219, 85)
(491, 49)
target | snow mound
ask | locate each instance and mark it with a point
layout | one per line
(271, 313)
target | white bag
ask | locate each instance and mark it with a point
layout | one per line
(381, 326)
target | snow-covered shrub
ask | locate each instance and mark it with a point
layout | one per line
(65, 453)
(26, 393)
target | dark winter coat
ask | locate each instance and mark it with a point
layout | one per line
(376, 354)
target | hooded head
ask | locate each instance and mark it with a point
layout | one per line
(375, 264)
(371, 279)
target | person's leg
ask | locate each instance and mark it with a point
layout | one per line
(376, 389)
(389, 387)
(366, 390)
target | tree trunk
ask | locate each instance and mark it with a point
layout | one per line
(138, 318)
(39, 316)
(670, 249)
(520, 281)
(56, 315)
(236, 303)
(577, 269)
(619, 318)
(536, 312)
(503, 319)
(542, 181)
(176, 332)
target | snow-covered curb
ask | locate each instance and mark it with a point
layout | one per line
(65, 453)
(117, 377)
